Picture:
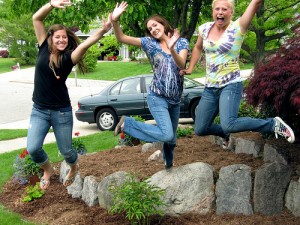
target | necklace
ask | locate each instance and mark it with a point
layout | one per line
(52, 68)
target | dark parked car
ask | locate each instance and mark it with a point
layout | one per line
(127, 96)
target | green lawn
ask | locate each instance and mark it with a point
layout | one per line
(117, 70)
(8, 134)
(7, 63)
(94, 143)
(113, 70)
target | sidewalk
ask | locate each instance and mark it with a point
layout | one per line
(77, 88)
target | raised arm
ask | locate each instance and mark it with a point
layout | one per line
(39, 17)
(121, 37)
(79, 52)
(179, 58)
(248, 15)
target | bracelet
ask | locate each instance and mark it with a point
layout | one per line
(50, 4)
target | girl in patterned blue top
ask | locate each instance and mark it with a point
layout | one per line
(167, 53)
(222, 40)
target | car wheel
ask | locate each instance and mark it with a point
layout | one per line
(106, 119)
(193, 109)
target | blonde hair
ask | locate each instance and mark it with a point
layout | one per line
(230, 2)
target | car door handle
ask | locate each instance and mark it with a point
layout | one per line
(114, 99)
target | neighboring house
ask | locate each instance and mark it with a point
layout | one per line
(123, 51)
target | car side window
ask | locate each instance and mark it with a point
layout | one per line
(116, 89)
(131, 86)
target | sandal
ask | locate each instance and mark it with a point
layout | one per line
(68, 181)
(44, 184)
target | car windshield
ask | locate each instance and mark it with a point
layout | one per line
(188, 83)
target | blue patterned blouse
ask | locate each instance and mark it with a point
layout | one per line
(166, 79)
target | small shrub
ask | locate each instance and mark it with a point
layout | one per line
(144, 60)
(132, 58)
(246, 110)
(78, 145)
(276, 83)
(183, 132)
(129, 140)
(4, 54)
(119, 58)
(137, 199)
(33, 192)
(24, 168)
(91, 58)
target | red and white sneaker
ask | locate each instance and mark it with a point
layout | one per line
(282, 129)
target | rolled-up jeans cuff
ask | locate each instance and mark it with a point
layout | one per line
(43, 163)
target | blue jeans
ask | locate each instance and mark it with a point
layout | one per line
(40, 122)
(226, 101)
(166, 117)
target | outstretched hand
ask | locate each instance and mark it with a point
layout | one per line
(172, 40)
(60, 3)
(119, 9)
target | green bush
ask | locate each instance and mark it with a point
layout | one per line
(33, 192)
(129, 140)
(143, 60)
(245, 110)
(137, 199)
(109, 45)
(91, 57)
(183, 132)
(276, 81)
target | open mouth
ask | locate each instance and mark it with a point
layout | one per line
(220, 19)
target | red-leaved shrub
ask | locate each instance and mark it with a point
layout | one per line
(275, 85)
(3, 53)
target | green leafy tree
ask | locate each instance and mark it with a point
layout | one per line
(18, 35)
(109, 44)
(267, 32)
(269, 28)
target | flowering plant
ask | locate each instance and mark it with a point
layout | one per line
(78, 145)
(25, 167)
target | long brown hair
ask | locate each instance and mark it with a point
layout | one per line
(73, 42)
(160, 19)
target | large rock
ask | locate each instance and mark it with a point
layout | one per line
(275, 154)
(233, 190)
(270, 185)
(188, 188)
(250, 147)
(105, 197)
(75, 189)
(89, 190)
(292, 197)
